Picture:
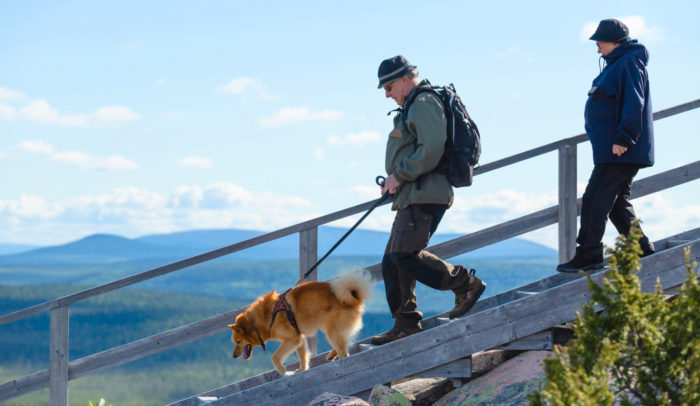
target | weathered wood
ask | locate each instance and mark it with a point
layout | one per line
(308, 256)
(461, 368)
(452, 341)
(538, 341)
(550, 282)
(567, 203)
(23, 385)
(58, 360)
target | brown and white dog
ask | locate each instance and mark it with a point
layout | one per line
(335, 307)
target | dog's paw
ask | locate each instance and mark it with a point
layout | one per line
(296, 371)
(281, 371)
(332, 355)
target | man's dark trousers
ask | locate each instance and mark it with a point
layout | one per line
(607, 196)
(406, 261)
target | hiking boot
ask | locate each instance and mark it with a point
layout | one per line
(646, 246)
(466, 296)
(394, 334)
(581, 264)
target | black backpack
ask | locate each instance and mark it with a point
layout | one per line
(463, 145)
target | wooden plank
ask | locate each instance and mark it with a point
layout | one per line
(665, 180)
(58, 360)
(461, 368)
(23, 385)
(538, 341)
(567, 203)
(446, 343)
(308, 256)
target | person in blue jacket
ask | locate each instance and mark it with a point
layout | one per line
(619, 124)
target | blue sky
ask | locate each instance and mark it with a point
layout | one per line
(145, 117)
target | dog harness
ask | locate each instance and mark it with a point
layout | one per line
(283, 304)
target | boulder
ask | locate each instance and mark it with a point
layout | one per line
(331, 399)
(385, 396)
(507, 384)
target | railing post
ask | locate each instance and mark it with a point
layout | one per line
(308, 255)
(567, 202)
(58, 362)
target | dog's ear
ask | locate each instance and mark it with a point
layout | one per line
(231, 326)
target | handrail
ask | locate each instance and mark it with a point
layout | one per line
(61, 370)
(215, 324)
(576, 139)
(229, 249)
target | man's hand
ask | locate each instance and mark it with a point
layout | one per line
(390, 185)
(618, 150)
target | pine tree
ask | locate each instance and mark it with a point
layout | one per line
(630, 347)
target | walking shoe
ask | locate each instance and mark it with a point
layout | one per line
(646, 246)
(465, 297)
(394, 334)
(580, 264)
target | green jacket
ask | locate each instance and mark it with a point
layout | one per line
(427, 124)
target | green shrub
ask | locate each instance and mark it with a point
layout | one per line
(630, 347)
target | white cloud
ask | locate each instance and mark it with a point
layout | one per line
(195, 162)
(114, 114)
(39, 110)
(34, 146)
(319, 153)
(10, 94)
(7, 112)
(131, 211)
(637, 26)
(293, 115)
(14, 107)
(355, 140)
(73, 158)
(238, 85)
(85, 161)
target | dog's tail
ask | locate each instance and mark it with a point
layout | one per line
(352, 288)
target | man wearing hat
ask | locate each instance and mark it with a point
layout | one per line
(619, 124)
(420, 198)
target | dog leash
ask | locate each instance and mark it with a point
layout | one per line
(380, 181)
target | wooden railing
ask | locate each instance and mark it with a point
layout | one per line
(61, 370)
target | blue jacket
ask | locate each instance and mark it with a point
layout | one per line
(618, 110)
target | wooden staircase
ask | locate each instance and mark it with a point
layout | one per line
(521, 318)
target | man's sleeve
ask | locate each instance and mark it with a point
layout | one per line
(426, 121)
(631, 104)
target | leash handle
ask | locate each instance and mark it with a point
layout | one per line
(380, 181)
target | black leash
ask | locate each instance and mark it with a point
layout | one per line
(380, 181)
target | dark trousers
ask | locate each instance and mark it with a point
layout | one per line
(607, 195)
(406, 261)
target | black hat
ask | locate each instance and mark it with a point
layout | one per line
(393, 68)
(611, 30)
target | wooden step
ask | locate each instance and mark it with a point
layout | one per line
(487, 314)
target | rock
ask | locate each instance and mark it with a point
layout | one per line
(331, 399)
(410, 387)
(385, 396)
(507, 384)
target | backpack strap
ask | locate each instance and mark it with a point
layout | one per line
(404, 117)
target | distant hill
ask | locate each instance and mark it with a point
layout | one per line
(15, 248)
(104, 248)
(98, 248)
